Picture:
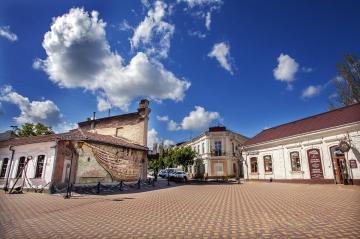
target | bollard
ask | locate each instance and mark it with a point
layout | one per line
(121, 185)
(98, 188)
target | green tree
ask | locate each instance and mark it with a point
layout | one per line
(156, 162)
(183, 156)
(29, 129)
(169, 159)
(348, 84)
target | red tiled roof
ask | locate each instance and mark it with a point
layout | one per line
(79, 134)
(217, 129)
(29, 140)
(333, 118)
(73, 135)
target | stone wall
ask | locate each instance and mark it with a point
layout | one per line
(132, 126)
(89, 171)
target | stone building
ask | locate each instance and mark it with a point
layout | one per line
(219, 150)
(323, 148)
(99, 150)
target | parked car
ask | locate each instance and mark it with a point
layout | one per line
(150, 172)
(163, 173)
(168, 172)
(180, 175)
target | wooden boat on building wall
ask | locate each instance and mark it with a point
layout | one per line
(120, 167)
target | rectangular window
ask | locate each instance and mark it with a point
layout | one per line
(203, 148)
(219, 170)
(39, 166)
(254, 165)
(267, 164)
(4, 167)
(198, 149)
(20, 166)
(218, 148)
(295, 162)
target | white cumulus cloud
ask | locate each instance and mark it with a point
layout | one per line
(173, 126)
(286, 69)
(79, 56)
(208, 20)
(153, 137)
(65, 127)
(103, 104)
(154, 27)
(194, 3)
(168, 142)
(221, 52)
(45, 112)
(164, 118)
(6, 33)
(199, 119)
(311, 91)
(204, 8)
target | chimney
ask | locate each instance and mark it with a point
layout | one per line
(93, 121)
(144, 109)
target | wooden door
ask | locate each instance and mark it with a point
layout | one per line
(337, 170)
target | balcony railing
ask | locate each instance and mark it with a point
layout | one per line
(222, 153)
(219, 153)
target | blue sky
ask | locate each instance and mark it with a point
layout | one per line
(245, 64)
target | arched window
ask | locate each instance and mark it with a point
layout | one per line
(4, 167)
(295, 161)
(268, 164)
(254, 165)
(20, 166)
(39, 166)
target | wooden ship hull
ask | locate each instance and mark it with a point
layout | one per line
(120, 167)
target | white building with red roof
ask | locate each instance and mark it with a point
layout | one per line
(100, 150)
(323, 148)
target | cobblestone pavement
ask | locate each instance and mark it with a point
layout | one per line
(250, 210)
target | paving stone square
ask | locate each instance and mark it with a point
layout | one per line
(248, 210)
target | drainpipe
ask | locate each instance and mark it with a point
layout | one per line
(348, 168)
(11, 148)
(56, 146)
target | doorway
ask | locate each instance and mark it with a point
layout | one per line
(339, 165)
(241, 169)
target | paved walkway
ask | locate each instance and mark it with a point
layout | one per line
(250, 210)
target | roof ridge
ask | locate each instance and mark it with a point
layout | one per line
(108, 117)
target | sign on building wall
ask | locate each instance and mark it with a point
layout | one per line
(353, 163)
(316, 171)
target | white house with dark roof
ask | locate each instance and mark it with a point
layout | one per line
(100, 150)
(219, 150)
(323, 148)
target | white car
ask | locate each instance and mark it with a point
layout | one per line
(180, 175)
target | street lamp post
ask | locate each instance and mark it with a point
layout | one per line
(168, 177)
(68, 191)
